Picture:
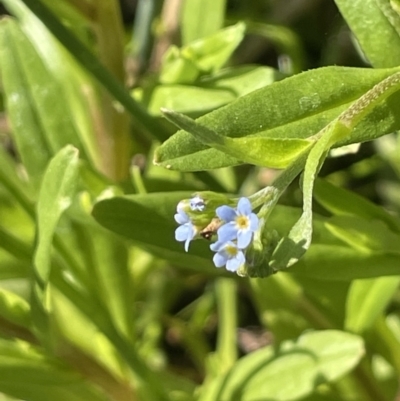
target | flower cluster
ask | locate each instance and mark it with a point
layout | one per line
(235, 229)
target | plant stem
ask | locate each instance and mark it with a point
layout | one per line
(227, 311)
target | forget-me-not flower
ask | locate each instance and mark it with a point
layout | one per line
(186, 231)
(240, 223)
(197, 203)
(227, 254)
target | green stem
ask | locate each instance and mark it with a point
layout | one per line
(227, 312)
(270, 195)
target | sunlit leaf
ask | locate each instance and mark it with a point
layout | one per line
(296, 107)
(375, 33)
(58, 188)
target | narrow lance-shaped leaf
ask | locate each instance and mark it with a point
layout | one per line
(270, 152)
(29, 137)
(291, 248)
(367, 300)
(56, 193)
(26, 373)
(93, 65)
(194, 27)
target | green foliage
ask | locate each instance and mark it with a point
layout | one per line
(99, 299)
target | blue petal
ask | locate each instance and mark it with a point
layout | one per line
(182, 233)
(244, 239)
(253, 222)
(226, 213)
(187, 242)
(244, 206)
(219, 260)
(217, 246)
(233, 264)
(227, 232)
(181, 217)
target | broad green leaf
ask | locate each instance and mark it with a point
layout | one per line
(296, 107)
(375, 33)
(338, 352)
(292, 247)
(292, 371)
(288, 377)
(367, 300)
(342, 202)
(26, 373)
(270, 152)
(56, 193)
(14, 308)
(210, 93)
(204, 55)
(149, 221)
(194, 27)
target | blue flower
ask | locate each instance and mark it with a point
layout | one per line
(227, 254)
(240, 223)
(197, 203)
(186, 231)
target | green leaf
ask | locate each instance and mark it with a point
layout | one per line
(296, 107)
(288, 377)
(378, 38)
(80, 331)
(211, 92)
(75, 86)
(204, 55)
(28, 374)
(11, 268)
(194, 27)
(17, 187)
(149, 221)
(14, 308)
(291, 372)
(268, 152)
(292, 247)
(36, 82)
(342, 202)
(367, 300)
(86, 58)
(338, 352)
(29, 136)
(343, 263)
(56, 193)
(105, 260)
(365, 235)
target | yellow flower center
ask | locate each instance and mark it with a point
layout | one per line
(242, 222)
(231, 250)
